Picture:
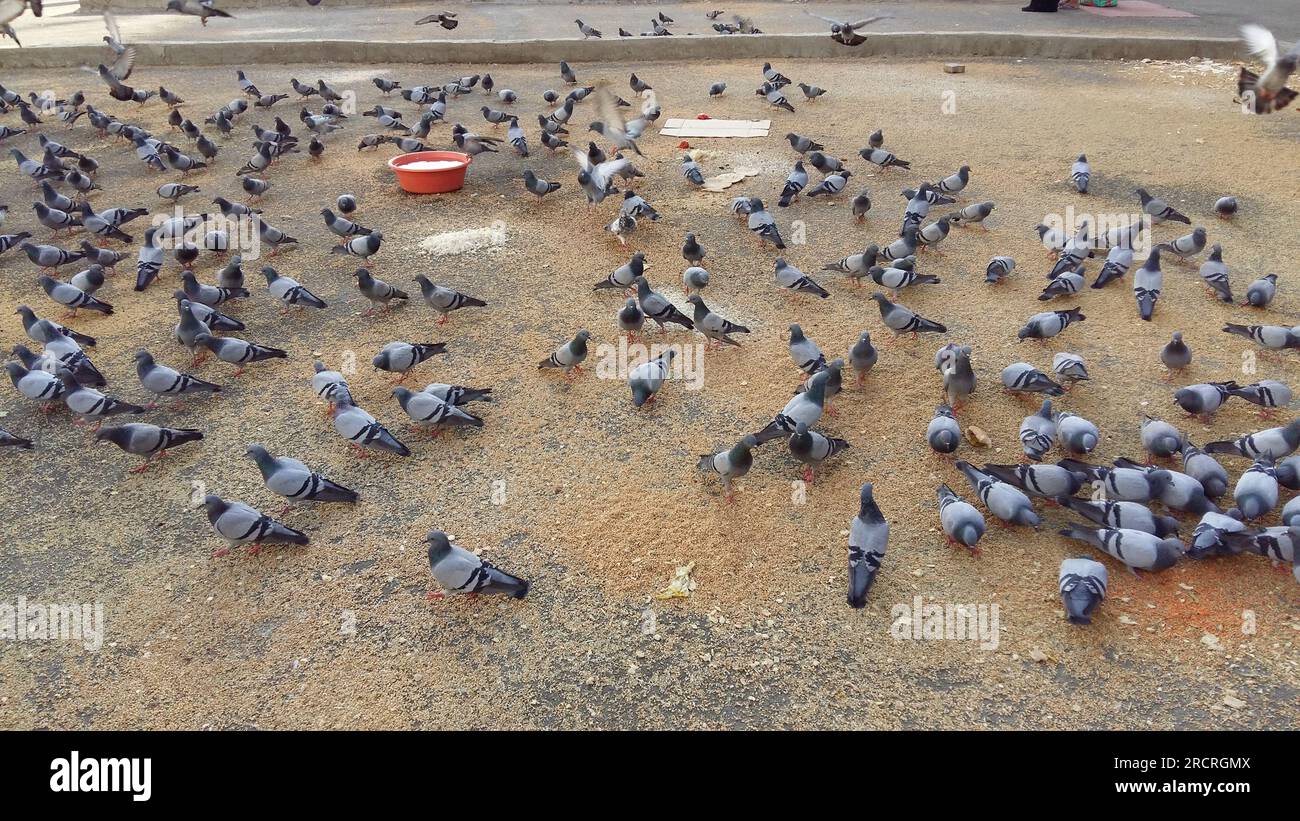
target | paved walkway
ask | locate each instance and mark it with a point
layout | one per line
(64, 26)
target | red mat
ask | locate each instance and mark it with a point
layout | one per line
(1136, 8)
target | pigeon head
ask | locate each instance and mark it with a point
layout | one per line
(439, 545)
(117, 435)
(213, 503)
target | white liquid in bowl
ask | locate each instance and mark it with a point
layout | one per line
(431, 165)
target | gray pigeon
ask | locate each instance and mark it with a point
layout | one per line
(72, 297)
(1291, 512)
(458, 394)
(805, 353)
(295, 481)
(999, 268)
(379, 293)
(1268, 394)
(1273, 444)
(401, 357)
(812, 448)
(795, 182)
(868, 538)
(1178, 491)
(537, 186)
(863, 356)
(459, 571)
(39, 386)
(1278, 543)
(832, 184)
(973, 214)
(237, 351)
(1023, 377)
(631, 318)
(1046, 481)
(762, 224)
(730, 464)
(1138, 550)
(955, 183)
(792, 279)
(9, 440)
(1069, 367)
(1261, 292)
(165, 381)
(1147, 283)
(238, 524)
(1203, 467)
(570, 355)
(1159, 438)
(1186, 246)
(289, 291)
(1214, 272)
(695, 278)
(88, 403)
(625, 275)
(1273, 337)
(715, 327)
(1256, 492)
(1123, 515)
(657, 307)
(1158, 209)
(146, 440)
(361, 429)
(1204, 398)
(953, 362)
(961, 521)
(1081, 174)
(1048, 324)
(1118, 260)
(806, 406)
(1038, 432)
(445, 300)
(901, 320)
(209, 295)
(1226, 207)
(943, 432)
(1067, 283)
(364, 246)
(1175, 354)
(343, 227)
(1003, 500)
(1082, 581)
(1288, 472)
(1077, 434)
(646, 379)
(430, 410)
(1208, 537)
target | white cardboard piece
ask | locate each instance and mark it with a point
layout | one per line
(716, 128)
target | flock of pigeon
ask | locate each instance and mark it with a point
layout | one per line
(1117, 518)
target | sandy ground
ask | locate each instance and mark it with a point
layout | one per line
(602, 500)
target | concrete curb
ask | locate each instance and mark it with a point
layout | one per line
(947, 45)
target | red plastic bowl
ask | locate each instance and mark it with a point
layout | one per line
(430, 181)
